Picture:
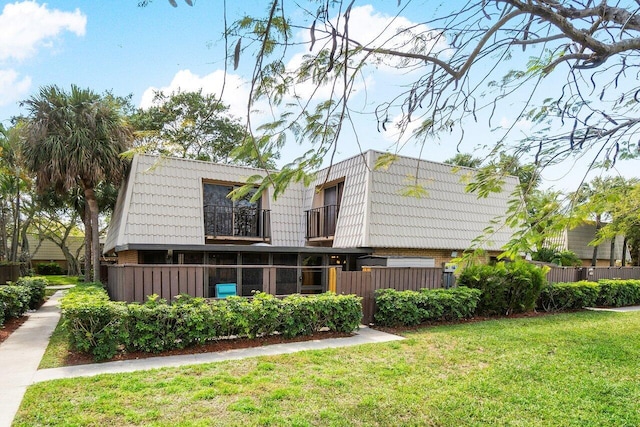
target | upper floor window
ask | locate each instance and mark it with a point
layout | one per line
(323, 218)
(225, 217)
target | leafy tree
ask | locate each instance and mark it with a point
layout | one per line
(74, 139)
(465, 160)
(557, 256)
(596, 201)
(195, 126)
(565, 67)
(15, 201)
(452, 54)
(624, 210)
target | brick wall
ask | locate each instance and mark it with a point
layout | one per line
(128, 257)
(440, 255)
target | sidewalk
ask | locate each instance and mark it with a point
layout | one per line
(20, 356)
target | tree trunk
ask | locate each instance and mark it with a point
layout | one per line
(15, 235)
(3, 232)
(87, 243)
(72, 262)
(624, 251)
(92, 203)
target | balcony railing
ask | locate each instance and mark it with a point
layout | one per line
(321, 222)
(227, 221)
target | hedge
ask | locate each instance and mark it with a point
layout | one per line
(568, 296)
(101, 327)
(49, 268)
(414, 307)
(37, 286)
(604, 293)
(618, 293)
(15, 299)
(507, 288)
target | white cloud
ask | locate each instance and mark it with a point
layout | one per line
(12, 87)
(372, 29)
(26, 26)
(236, 92)
(523, 125)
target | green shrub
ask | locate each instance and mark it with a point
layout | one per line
(15, 300)
(36, 286)
(49, 268)
(568, 296)
(99, 326)
(414, 307)
(338, 313)
(507, 288)
(151, 327)
(93, 322)
(1, 314)
(398, 307)
(618, 293)
(299, 316)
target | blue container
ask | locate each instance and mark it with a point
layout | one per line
(224, 290)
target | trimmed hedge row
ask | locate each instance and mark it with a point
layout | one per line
(604, 293)
(507, 288)
(99, 326)
(27, 293)
(414, 307)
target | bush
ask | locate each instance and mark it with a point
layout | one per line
(618, 293)
(568, 296)
(15, 300)
(506, 287)
(94, 323)
(49, 268)
(37, 287)
(414, 307)
(99, 326)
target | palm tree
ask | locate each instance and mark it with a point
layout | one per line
(74, 140)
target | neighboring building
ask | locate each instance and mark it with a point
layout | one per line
(44, 250)
(578, 239)
(177, 211)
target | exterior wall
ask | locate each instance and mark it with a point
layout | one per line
(440, 255)
(128, 257)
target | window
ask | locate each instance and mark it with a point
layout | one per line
(233, 218)
(322, 221)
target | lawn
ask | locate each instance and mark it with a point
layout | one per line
(568, 369)
(57, 280)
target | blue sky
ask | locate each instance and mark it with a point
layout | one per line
(118, 46)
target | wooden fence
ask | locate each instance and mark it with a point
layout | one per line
(134, 282)
(9, 273)
(576, 274)
(365, 283)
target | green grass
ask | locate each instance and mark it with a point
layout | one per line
(571, 369)
(55, 280)
(57, 349)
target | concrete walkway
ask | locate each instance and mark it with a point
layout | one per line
(21, 353)
(20, 356)
(616, 309)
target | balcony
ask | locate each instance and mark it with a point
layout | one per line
(321, 222)
(242, 223)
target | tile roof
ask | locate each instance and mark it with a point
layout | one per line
(161, 203)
